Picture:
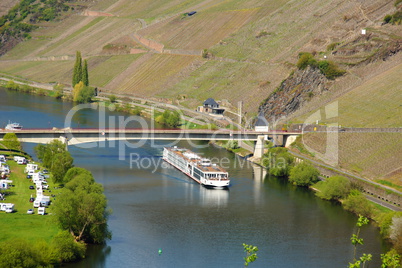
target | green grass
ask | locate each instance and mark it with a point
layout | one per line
(390, 184)
(19, 224)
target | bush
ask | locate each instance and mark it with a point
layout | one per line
(305, 59)
(329, 69)
(112, 98)
(66, 249)
(334, 188)
(232, 144)
(385, 221)
(304, 174)
(332, 46)
(278, 161)
(387, 18)
(358, 204)
(21, 253)
(396, 232)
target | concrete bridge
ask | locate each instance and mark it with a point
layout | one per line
(79, 136)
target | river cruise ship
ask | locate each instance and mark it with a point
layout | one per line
(199, 169)
(13, 126)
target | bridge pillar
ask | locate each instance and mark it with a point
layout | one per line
(259, 147)
(65, 141)
(278, 139)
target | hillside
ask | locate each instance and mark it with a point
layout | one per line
(5, 5)
(232, 51)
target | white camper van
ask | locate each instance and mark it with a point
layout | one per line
(41, 211)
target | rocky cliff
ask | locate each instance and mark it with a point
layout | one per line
(293, 92)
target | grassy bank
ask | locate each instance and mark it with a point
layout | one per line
(19, 224)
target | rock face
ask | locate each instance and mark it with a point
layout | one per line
(293, 92)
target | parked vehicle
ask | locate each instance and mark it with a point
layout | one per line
(30, 211)
(9, 210)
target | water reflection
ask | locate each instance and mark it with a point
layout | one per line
(214, 198)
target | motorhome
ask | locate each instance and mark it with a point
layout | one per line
(4, 184)
(5, 169)
(5, 206)
(22, 161)
(31, 167)
(42, 201)
(41, 210)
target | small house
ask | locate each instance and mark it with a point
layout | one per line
(261, 125)
(210, 106)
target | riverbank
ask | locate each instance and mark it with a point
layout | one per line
(124, 103)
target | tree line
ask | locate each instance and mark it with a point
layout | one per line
(281, 163)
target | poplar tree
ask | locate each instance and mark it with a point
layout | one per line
(85, 78)
(77, 72)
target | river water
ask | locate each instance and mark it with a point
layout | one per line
(156, 207)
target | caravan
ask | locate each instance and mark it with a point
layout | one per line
(4, 184)
(7, 207)
(31, 168)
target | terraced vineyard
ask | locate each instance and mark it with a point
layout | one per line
(142, 82)
(372, 155)
(190, 32)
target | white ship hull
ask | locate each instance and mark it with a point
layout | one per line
(190, 164)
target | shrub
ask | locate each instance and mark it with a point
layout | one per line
(396, 232)
(232, 144)
(336, 187)
(387, 18)
(332, 46)
(329, 69)
(305, 59)
(358, 204)
(304, 174)
(112, 98)
(66, 249)
(278, 161)
(385, 221)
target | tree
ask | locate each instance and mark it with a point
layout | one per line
(85, 78)
(11, 141)
(61, 164)
(58, 91)
(251, 254)
(77, 72)
(81, 208)
(82, 93)
(356, 240)
(55, 157)
(304, 174)
(396, 232)
(358, 204)
(20, 253)
(66, 249)
(391, 259)
(278, 161)
(336, 187)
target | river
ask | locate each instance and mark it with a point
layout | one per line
(157, 207)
